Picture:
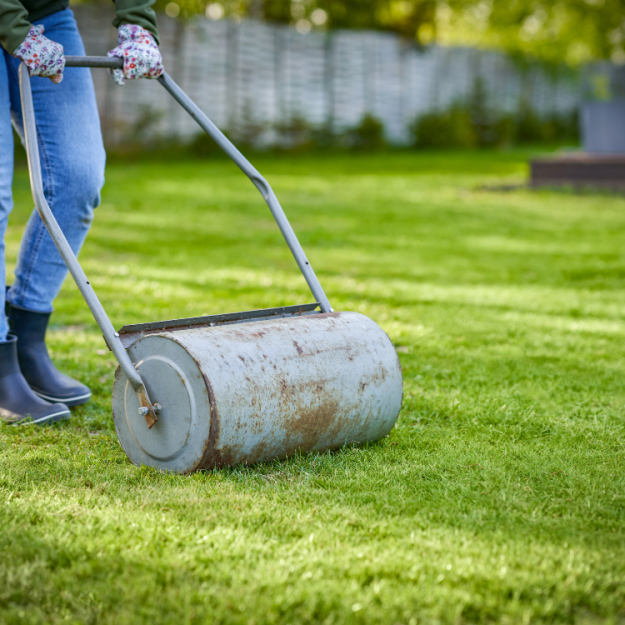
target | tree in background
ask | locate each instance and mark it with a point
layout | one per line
(413, 19)
(573, 31)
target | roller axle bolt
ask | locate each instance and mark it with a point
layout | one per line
(143, 411)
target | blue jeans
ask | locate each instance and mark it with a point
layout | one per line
(72, 161)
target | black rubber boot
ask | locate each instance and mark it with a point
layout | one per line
(38, 370)
(18, 403)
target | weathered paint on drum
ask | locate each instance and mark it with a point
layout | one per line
(248, 392)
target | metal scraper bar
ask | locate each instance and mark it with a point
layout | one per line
(130, 333)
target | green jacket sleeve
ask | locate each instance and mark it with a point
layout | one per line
(14, 24)
(139, 12)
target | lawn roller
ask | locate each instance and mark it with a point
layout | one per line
(214, 391)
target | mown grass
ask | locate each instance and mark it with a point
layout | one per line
(498, 497)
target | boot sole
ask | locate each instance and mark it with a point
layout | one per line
(78, 400)
(62, 415)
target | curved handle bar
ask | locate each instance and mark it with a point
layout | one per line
(258, 181)
(246, 167)
(66, 252)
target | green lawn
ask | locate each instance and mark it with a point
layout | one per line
(498, 497)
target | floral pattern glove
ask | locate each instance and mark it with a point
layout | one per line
(142, 58)
(42, 56)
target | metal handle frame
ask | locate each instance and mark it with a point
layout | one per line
(147, 408)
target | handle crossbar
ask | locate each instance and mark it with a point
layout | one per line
(114, 62)
(147, 408)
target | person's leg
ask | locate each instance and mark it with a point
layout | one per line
(72, 160)
(6, 180)
(18, 403)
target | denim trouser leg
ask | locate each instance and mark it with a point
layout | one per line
(72, 161)
(6, 179)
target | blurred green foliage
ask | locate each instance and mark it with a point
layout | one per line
(441, 129)
(298, 136)
(474, 124)
(466, 125)
(367, 136)
(456, 128)
(574, 31)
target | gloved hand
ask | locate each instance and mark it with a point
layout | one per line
(42, 56)
(142, 58)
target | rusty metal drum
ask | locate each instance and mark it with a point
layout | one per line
(248, 392)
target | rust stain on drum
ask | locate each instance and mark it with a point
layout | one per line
(305, 423)
(260, 452)
(303, 428)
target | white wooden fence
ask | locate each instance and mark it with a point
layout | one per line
(255, 73)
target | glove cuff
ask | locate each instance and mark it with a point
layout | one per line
(34, 32)
(134, 33)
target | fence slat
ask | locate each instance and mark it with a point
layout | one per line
(252, 76)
